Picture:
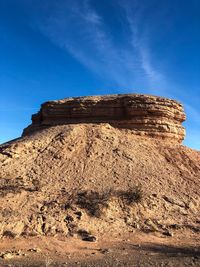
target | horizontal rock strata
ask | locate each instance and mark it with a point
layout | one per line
(143, 114)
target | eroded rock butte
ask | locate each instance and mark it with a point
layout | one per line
(143, 114)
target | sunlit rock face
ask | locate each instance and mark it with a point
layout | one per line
(142, 114)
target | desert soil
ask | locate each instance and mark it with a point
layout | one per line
(136, 250)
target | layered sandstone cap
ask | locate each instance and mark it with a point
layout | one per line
(142, 114)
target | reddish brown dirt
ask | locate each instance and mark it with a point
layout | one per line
(136, 250)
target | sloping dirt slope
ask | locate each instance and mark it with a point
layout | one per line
(48, 181)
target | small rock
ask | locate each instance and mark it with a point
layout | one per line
(8, 256)
(168, 233)
(79, 214)
(34, 250)
(89, 238)
(104, 250)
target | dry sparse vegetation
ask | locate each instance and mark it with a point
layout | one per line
(132, 195)
(94, 202)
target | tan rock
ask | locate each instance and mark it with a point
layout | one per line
(143, 114)
(14, 229)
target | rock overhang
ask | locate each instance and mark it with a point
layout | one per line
(145, 115)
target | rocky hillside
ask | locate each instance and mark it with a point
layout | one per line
(88, 166)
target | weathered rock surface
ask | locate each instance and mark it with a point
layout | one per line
(43, 177)
(143, 114)
(82, 175)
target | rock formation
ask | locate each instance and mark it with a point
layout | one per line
(76, 170)
(143, 114)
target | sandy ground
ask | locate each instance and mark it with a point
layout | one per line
(137, 250)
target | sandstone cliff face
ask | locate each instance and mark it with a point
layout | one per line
(143, 114)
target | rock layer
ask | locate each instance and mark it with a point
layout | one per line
(143, 114)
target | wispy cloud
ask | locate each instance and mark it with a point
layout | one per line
(80, 30)
(151, 72)
(140, 40)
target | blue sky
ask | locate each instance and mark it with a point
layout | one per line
(51, 49)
